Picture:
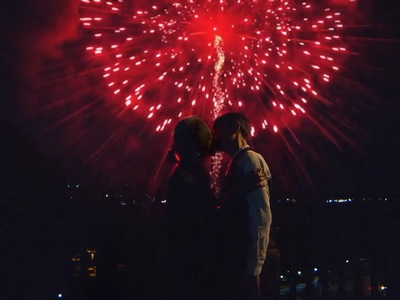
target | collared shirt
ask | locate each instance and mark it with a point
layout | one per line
(234, 156)
(259, 208)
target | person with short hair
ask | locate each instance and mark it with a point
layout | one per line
(247, 213)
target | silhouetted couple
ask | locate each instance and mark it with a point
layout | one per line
(217, 247)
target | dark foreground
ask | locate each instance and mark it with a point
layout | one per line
(325, 251)
(112, 250)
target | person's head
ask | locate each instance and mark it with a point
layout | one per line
(230, 131)
(192, 139)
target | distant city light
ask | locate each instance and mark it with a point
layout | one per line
(315, 269)
(345, 200)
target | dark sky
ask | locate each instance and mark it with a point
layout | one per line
(56, 127)
(50, 101)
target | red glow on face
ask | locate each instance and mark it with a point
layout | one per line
(159, 59)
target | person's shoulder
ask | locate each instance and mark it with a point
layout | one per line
(252, 157)
(251, 154)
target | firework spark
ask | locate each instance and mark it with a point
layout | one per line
(219, 98)
(159, 57)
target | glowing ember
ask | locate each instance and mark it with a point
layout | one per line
(162, 58)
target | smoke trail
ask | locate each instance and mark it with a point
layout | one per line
(219, 100)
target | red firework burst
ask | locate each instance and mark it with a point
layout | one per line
(160, 58)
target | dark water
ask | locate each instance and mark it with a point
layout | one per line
(334, 238)
(130, 247)
(360, 239)
(327, 233)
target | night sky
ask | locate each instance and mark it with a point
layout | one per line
(51, 100)
(57, 127)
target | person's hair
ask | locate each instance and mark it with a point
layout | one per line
(231, 119)
(192, 132)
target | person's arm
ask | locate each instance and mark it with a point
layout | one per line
(257, 198)
(252, 180)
